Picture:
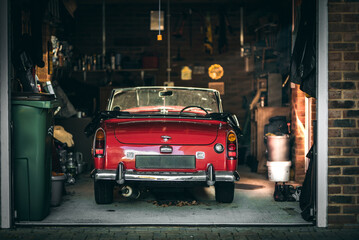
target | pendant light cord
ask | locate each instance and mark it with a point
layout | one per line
(159, 17)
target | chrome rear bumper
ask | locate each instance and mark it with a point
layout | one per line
(210, 176)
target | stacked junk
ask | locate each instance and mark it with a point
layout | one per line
(66, 165)
(277, 139)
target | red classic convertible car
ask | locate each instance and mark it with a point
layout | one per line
(155, 136)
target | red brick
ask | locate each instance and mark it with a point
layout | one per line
(348, 56)
(341, 161)
(335, 94)
(350, 94)
(341, 199)
(334, 151)
(351, 189)
(349, 18)
(334, 17)
(341, 47)
(335, 113)
(340, 180)
(342, 27)
(339, 142)
(335, 56)
(351, 76)
(351, 171)
(336, 37)
(343, 123)
(341, 7)
(342, 85)
(351, 209)
(351, 133)
(351, 152)
(334, 133)
(335, 76)
(351, 113)
(334, 171)
(333, 209)
(341, 104)
(349, 37)
(344, 66)
(341, 219)
(334, 190)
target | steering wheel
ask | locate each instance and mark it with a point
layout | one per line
(193, 107)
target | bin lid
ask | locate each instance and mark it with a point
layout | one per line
(38, 100)
(29, 96)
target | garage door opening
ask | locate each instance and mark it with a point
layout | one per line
(252, 44)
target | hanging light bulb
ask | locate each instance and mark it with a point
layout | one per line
(159, 36)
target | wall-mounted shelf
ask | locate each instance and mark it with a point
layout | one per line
(140, 70)
(122, 70)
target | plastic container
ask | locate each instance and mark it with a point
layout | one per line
(279, 171)
(57, 188)
(32, 116)
(278, 148)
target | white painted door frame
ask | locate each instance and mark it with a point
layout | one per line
(322, 113)
(5, 160)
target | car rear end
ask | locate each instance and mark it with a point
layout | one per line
(165, 152)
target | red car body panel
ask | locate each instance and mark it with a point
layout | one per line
(143, 137)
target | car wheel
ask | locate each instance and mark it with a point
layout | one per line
(103, 192)
(224, 192)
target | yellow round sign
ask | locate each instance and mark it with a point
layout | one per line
(215, 71)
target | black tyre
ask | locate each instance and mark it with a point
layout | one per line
(103, 192)
(224, 192)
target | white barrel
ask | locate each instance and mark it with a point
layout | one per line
(278, 148)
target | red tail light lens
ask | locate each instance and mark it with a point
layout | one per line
(232, 145)
(100, 143)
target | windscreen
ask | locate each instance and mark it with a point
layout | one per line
(164, 100)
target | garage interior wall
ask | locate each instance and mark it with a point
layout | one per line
(134, 39)
(343, 171)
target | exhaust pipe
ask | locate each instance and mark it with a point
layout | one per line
(130, 192)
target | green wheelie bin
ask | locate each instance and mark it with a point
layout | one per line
(32, 136)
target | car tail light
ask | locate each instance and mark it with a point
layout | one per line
(232, 145)
(100, 143)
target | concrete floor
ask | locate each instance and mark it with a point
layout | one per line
(253, 205)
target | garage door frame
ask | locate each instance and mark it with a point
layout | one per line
(322, 115)
(5, 187)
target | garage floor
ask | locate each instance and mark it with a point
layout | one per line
(253, 205)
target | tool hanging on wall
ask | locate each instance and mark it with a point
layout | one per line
(222, 39)
(208, 39)
(178, 57)
(190, 27)
(178, 33)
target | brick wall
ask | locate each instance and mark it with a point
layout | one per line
(297, 128)
(343, 172)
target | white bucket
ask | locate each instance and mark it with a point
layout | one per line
(279, 171)
(278, 148)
